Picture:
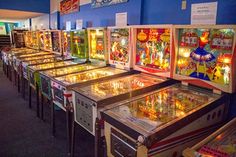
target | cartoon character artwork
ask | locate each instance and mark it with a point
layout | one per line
(205, 54)
(153, 48)
(200, 55)
(119, 42)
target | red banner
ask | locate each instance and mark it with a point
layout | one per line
(69, 6)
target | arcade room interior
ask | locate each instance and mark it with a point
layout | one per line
(117, 78)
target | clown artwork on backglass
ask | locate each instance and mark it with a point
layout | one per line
(153, 48)
(205, 54)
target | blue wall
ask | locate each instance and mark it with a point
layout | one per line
(169, 11)
(148, 12)
(55, 20)
(104, 16)
(41, 6)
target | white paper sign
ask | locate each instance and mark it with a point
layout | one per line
(79, 24)
(204, 13)
(68, 25)
(121, 19)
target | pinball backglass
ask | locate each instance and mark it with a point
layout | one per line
(152, 49)
(97, 44)
(119, 47)
(206, 53)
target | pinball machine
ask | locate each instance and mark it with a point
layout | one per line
(221, 143)
(61, 86)
(96, 60)
(153, 73)
(34, 76)
(166, 121)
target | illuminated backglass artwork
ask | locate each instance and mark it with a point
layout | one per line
(153, 48)
(119, 45)
(205, 54)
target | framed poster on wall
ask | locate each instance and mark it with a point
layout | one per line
(102, 3)
(69, 6)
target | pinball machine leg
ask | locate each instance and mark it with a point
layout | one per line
(10, 73)
(23, 87)
(52, 117)
(30, 94)
(15, 79)
(69, 124)
(37, 100)
(72, 135)
(7, 70)
(42, 105)
(97, 141)
(18, 82)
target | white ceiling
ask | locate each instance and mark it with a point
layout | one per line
(17, 15)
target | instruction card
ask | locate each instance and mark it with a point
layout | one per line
(204, 13)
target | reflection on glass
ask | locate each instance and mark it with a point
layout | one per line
(42, 60)
(51, 65)
(68, 70)
(89, 75)
(33, 54)
(103, 90)
(37, 57)
(162, 107)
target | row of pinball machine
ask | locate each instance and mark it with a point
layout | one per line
(141, 91)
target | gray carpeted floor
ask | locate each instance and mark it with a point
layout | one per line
(22, 134)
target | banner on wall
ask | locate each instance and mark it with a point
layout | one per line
(3, 28)
(69, 6)
(102, 3)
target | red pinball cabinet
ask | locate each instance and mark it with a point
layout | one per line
(164, 122)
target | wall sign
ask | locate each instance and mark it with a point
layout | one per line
(68, 25)
(79, 24)
(102, 3)
(204, 13)
(69, 6)
(121, 19)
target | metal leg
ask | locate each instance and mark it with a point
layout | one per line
(23, 87)
(52, 117)
(7, 70)
(18, 81)
(30, 94)
(14, 77)
(97, 138)
(69, 121)
(73, 136)
(41, 105)
(37, 100)
(10, 73)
